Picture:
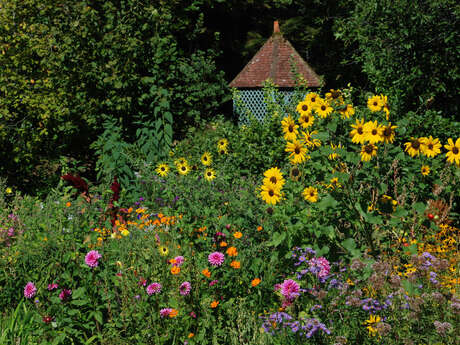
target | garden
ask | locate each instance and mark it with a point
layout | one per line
(335, 220)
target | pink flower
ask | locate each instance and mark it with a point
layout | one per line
(52, 287)
(179, 260)
(91, 259)
(290, 289)
(65, 294)
(216, 258)
(192, 314)
(154, 288)
(184, 288)
(214, 282)
(165, 312)
(320, 267)
(30, 290)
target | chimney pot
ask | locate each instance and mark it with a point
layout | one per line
(276, 27)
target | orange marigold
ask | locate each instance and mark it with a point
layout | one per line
(214, 304)
(173, 313)
(223, 244)
(206, 273)
(191, 335)
(237, 234)
(231, 251)
(255, 282)
(259, 228)
(235, 264)
(175, 270)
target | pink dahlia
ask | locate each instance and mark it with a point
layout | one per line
(165, 312)
(179, 260)
(184, 288)
(290, 289)
(30, 290)
(91, 259)
(52, 287)
(216, 258)
(154, 288)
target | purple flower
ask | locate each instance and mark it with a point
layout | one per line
(91, 259)
(30, 290)
(213, 282)
(65, 294)
(184, 288)
(319, 266)
(290, 289)
(154, 288)
(216, 258)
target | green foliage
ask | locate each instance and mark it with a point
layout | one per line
(415, 61)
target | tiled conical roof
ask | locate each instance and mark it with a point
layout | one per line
(273, 61)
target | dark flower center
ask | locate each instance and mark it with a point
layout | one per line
(184, 168)
(291, 128)
(360, 130)
(375, 104)
(297, 150)
(430, 146)
(295, 172)
(222, 152)
(205, 158)
(369, 149)
(273, 179)
(271, 193)
(323, 107)
(335, 94)
(304, 107)
(313, 99)
(162, 168)
(387, 132)
(312, 194)
(374, 132)
(415, 144)
(209, 174)
(455, 150)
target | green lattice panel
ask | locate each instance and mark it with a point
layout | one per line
(253, 100)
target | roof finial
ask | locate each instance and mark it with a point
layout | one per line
(276, 27)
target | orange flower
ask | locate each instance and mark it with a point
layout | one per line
(231, 251)
(259, 228)
(191, 335)
(237, 234)
(235, 264)
(68, 203)
(214, 304)
(172, 261)
(223, 244)
(255, 282)
(173, 313)
(206, 273)
(175, 270)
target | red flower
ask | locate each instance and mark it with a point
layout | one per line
(76, 182)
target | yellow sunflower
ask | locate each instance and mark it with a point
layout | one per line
(180, 161)
(413, 147)
(295, 173)
(334, 97)
(163, 250)
(431, 147)
(289, 128)
(334, 155)
(206, 159)
(223, 150)
(347, 112)
(183, 169)
(374, 103)
(323, 109)
(425, 170)
(310, 194)
(388, 133)
(298, 151)
(304, 108)
(312, 98)
(162, 169)
(209, 174)
(368, 151)
(275, 177)
(222, 143)
(386, 107)
(270, 194)
(372, 131)
(306, 120)
(309, 140)
(453, 154)
(358, 135)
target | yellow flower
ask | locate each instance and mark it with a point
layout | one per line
(206, 159)
(223, 150)
(388, 133)
(162, 169)
(453, 154)
(125, 232)
(413, 147)
(183, 169)
(8, 190)
(289, 128)
(323, 109)
(386, 107)
(347, 112)
(306, 120)
(368, 151)
(255, 282)
(304, 108)
(373, 319)
(425, 170)
(181, 161)
(222, 143)
(270, 194)
(312, 99)
(274, 176)
(430, 147)
(372, 132)
(237, 235)
(334, 155)
(358, 135)
(310, 194)
(374, 103)
(209, 174)
(308, 139)
(298, 151)
(163, 250)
